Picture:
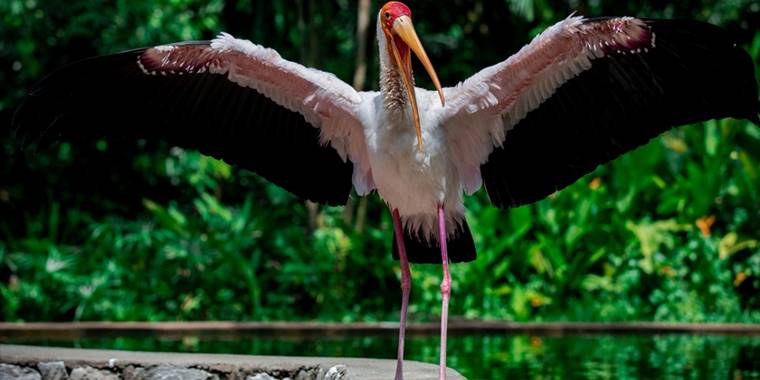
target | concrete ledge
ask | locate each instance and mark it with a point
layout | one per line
(81, 364)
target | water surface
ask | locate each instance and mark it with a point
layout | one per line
(479, 356)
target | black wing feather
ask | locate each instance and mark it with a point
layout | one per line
(696, 72)
(460, 246)
(111, 96)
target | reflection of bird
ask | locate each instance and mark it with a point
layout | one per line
(580, 94)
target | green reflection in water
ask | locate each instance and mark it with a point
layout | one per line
(492, 356)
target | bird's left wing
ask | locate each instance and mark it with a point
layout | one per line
(585, 91)
(229, 98)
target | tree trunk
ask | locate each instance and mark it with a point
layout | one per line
(360, 77)
(362, 25)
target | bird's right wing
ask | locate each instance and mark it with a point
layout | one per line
(585, 91)
(229, 98)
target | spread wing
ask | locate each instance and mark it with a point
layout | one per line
(586, 91)
(229, 98)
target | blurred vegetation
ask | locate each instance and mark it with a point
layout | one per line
(118, 230)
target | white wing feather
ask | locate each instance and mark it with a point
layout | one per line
(325, 101)
(483, 108)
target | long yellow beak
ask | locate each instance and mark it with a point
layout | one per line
(405, 30)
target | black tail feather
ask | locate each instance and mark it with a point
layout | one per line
(461, 247)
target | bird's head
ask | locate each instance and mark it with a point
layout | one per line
(396, 21)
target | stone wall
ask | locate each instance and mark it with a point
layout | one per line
(47, 363)
(57, 370)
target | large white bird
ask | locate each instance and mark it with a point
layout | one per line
(580, 94)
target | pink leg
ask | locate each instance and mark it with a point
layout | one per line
(445, 291)
(406, 286)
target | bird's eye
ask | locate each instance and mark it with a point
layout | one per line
(387, 15)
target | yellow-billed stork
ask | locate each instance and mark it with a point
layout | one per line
(580, 94)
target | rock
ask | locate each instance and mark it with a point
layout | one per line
(132, 373)
(337, 372)
(320, 374)
(12, 372)
(53, 370)
(175, 373)
(89, 373)
(310, 374)
(260, 376)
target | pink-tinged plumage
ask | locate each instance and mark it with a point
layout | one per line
(488, 104)
(580, 94)
(372, 129)
(321, 98)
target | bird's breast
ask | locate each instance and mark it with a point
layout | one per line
(411, 179)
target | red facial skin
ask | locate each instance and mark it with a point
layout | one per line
(389, 13)
(393, 10)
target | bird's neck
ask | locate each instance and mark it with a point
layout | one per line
(391, 83)
(392, 88)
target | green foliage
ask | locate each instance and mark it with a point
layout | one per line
(108, 230)
(629, 236)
